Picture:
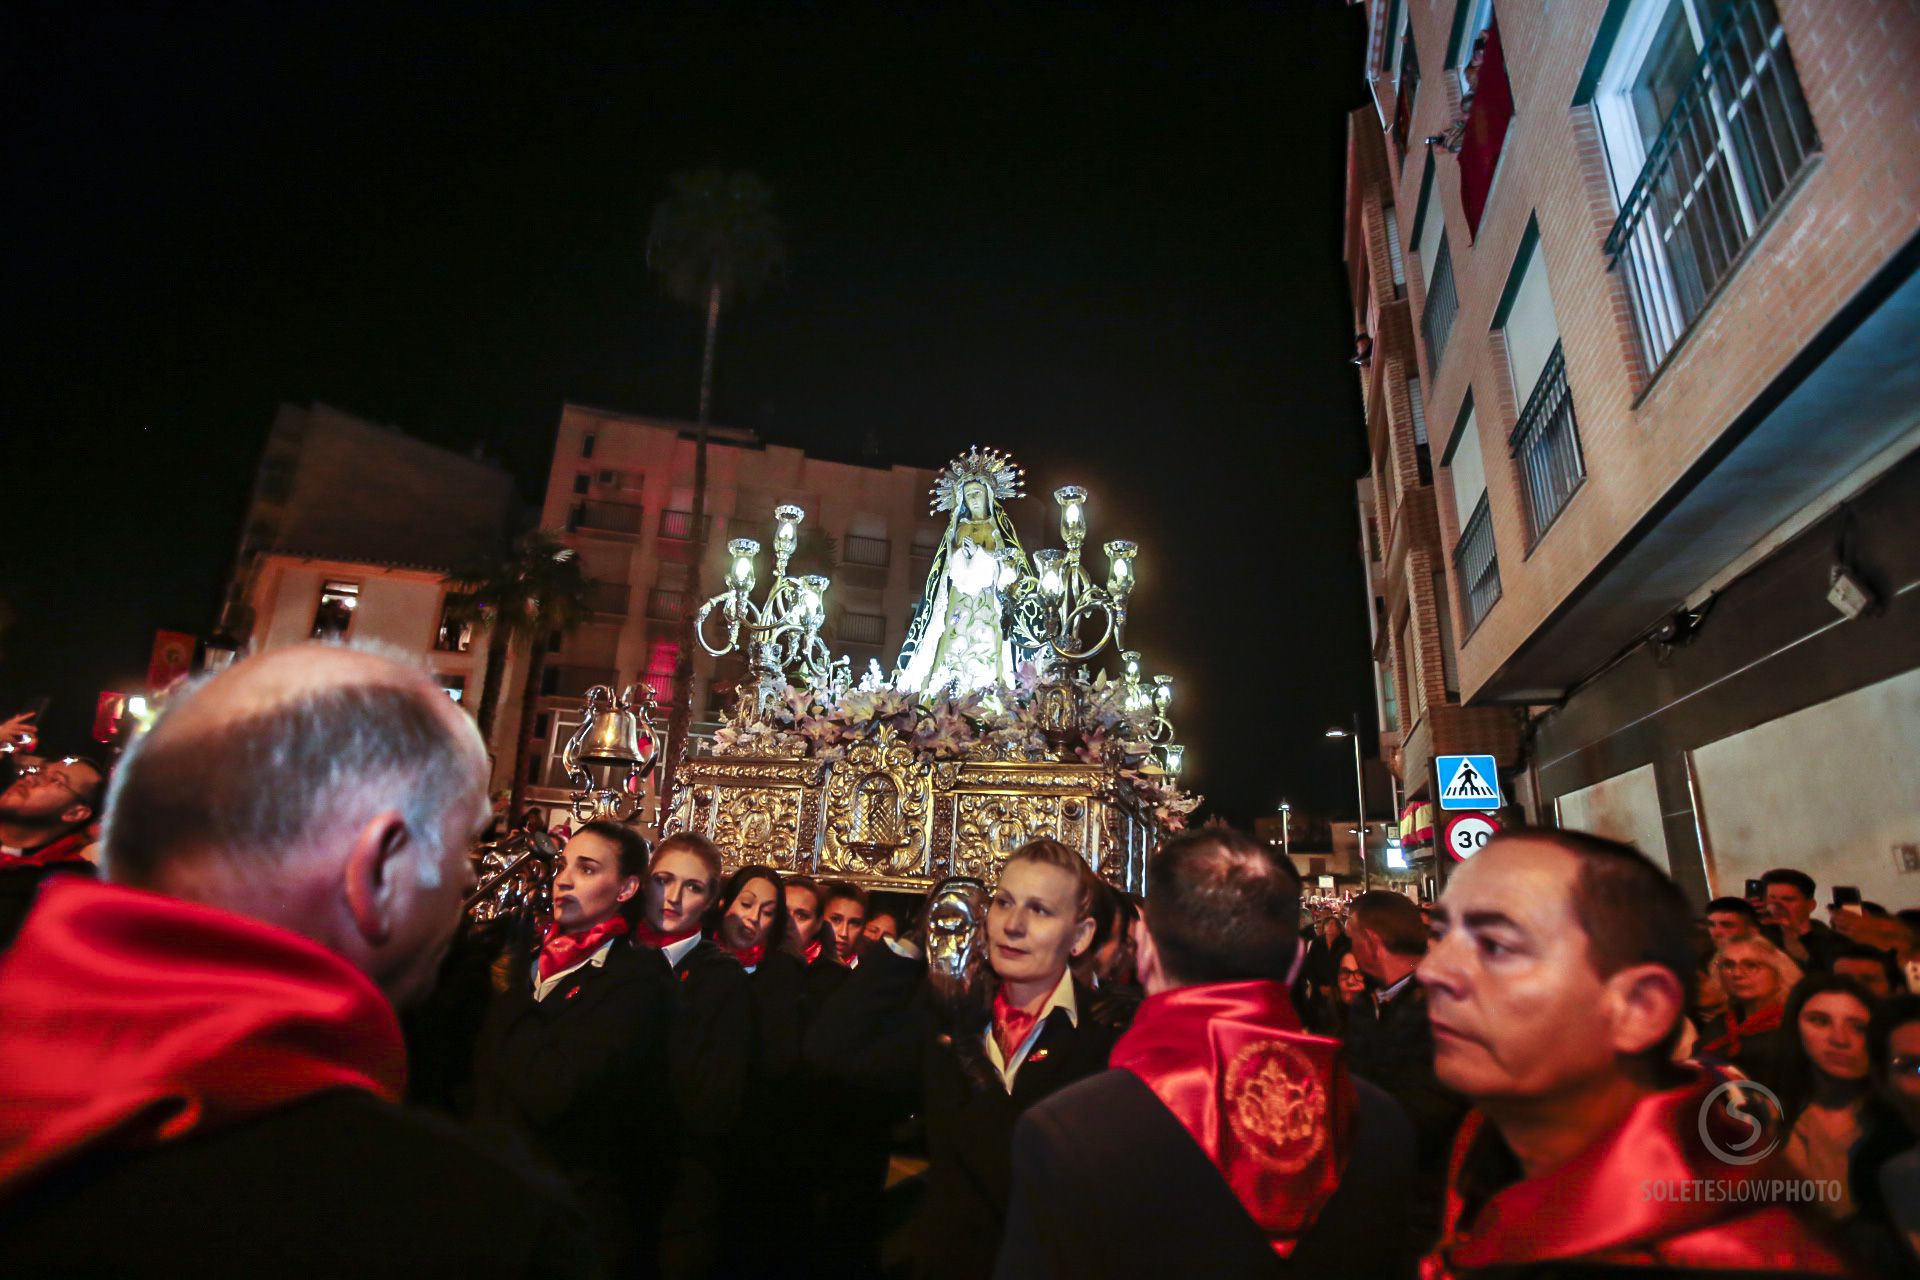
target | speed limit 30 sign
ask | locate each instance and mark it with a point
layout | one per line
(1467, 833)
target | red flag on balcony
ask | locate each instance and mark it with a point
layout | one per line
(1486, 132)
(172, 658)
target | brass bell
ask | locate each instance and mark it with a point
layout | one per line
(615, 739)
(613, 731)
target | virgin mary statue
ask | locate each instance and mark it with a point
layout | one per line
(958, 638)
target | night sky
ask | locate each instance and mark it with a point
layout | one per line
(1106, 239)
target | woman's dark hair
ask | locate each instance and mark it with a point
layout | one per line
(633, 854)
(1794, 1076)
(777, 931)
(1894, 1012)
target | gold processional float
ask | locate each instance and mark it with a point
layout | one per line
(992, 729)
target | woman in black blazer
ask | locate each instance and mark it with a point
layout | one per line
(971, 1074)
(711, 1052)
(570, 1054)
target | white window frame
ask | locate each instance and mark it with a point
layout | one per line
(1396, 41)
(1479, 18)
(1396, 253)
(1620, 131)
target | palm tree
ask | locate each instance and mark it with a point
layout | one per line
(714, 242)
(528, 595)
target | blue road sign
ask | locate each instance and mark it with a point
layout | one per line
(1468, 782)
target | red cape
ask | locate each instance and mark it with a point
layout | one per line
(136, 1019)
(1270, 1105)
(1625, 1202)
(67, 849)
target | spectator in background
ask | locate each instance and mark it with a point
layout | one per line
(1790, 901)
(881, 924)
(1322, 965)
(46, 820)
(1885, 1166)
(805, 928)
(1116, 993)
(1873, 969)
(1822, 1080)
(845, 915)
(1390, 1042)
(1729, 919)
(1757, 977)
(1349, 994)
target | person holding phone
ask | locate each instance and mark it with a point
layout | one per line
(1790, 902)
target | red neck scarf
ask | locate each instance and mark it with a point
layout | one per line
(1764, 1019)
(1596, 1208)
(813, 949)
(1270, 1105)
(561, 951)
(1011, 1025)
(138, 1019)
(62, 852)
(647, 936)
(749, 957)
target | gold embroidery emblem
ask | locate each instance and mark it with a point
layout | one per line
(1276, 1107)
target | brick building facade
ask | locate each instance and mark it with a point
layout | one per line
(1638, 281)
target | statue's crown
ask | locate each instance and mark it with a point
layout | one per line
(989, 466)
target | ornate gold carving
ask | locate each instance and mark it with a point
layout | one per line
(876, 810)
(941, 862)
(759, 824)
(885, 818)
(1276, 1106)
(992, 826)
(809, 829)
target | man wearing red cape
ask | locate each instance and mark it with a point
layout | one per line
(1556, 984)
(201, 1068)
(1224, 1140)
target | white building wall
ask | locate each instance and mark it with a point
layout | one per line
(1830, 790)
(1625, 808)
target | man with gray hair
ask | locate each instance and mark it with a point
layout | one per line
(202, 1066)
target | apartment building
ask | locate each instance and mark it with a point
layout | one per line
(351, 530)
(1636, 280)
(621, 486)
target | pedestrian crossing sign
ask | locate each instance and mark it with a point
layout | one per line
(1468, 782)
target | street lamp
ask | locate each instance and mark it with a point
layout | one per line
(1286, 825)
(1359, 794)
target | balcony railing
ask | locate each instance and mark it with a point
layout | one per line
(867, 551)
(573, 682)
(922, 549)
(1546, 442)
(608, 597)
(1436, 322)
(608, 517)
(1737, 136)
(862, 628)
(666, 605)
(679, 525)
(1477, 564)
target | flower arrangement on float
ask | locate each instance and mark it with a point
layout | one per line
(1005, 722)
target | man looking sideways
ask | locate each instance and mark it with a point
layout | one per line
(201, 1063)
(1555, 983)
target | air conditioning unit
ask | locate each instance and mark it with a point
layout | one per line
(608, 476)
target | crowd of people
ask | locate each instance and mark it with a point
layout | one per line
(250, 1029)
